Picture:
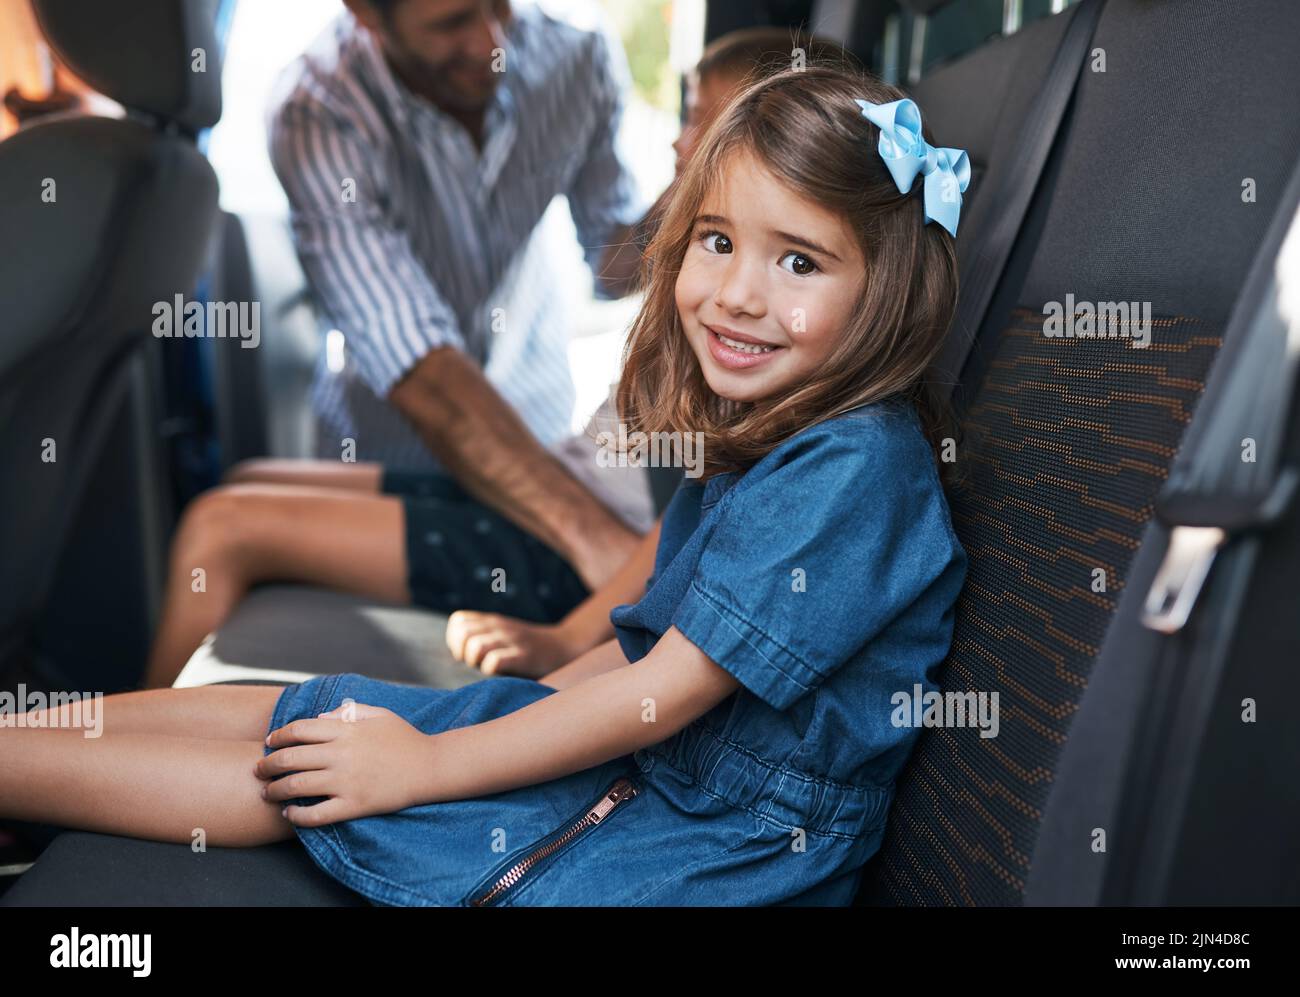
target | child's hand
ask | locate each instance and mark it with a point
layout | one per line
(502, 645)
(366, 759)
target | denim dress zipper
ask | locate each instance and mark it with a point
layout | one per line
(622, 789)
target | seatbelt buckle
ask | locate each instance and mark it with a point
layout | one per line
(1177, 584)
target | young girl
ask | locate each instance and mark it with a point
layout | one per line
(734, 744)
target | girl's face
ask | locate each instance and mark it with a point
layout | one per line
(768, 284)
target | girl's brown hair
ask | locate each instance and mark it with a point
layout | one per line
(804, 126)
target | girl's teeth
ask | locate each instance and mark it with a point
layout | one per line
(740, 347)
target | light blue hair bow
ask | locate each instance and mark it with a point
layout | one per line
(907, 153)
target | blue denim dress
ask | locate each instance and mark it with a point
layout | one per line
(823, 579)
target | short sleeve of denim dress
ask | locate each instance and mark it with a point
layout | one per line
(823, 579)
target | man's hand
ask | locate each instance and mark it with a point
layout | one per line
(366, 759)
(502, 645)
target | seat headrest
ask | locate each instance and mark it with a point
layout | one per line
(141, 53)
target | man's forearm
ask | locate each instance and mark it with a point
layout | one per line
(483, 443)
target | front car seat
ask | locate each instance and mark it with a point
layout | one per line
(102, 217)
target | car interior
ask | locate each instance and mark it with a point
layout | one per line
(1120, 150)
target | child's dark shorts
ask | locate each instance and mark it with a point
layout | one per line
(460, 554)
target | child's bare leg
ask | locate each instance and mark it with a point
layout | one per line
(239, 535)
(167, 762)
(362, 476)
(142, 785)
(173, 722)
(222, 712)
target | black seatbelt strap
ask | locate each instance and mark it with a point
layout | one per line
(1229, 475)
(982, 268)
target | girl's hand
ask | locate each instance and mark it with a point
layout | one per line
(366, 759)
(502, 645)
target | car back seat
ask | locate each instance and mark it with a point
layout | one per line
(1065, 441)
(286, 633)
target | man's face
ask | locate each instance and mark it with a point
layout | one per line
(444, 49)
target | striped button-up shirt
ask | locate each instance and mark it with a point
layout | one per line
(413, 239)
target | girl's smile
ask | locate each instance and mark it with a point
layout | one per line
(738, 352)
(767, 285)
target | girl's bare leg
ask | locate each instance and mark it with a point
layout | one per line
(221, 712)
(235, 536)
(146, 785)
(362, 476)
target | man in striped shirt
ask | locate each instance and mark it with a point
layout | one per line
(419, 143)
(348, 536)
